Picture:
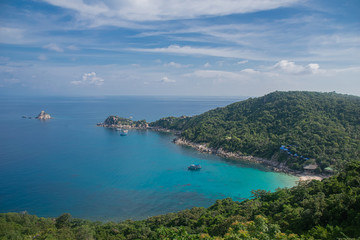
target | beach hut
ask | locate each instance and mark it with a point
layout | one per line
(311, 167)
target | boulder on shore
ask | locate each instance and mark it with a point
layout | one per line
(43, 115)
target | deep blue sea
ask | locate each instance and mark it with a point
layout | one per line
(68, 164)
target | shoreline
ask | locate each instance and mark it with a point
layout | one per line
(272, 165)
(130, 127)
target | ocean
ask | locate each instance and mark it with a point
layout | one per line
(68, 164)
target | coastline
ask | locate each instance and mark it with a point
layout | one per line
(273, 165)
(145, 127)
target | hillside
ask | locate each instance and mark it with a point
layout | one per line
(298, 129)
(316, 210)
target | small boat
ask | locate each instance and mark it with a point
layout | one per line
(194, 167)
(124, 132)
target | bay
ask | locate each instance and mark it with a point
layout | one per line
(68, 164)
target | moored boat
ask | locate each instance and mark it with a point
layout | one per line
(193, 167)
(124, 132)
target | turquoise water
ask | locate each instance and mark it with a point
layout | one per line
(67, 164)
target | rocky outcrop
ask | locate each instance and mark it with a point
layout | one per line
(43, 115)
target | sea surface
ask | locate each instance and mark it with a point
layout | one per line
(68, 164)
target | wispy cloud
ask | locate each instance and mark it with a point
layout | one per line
(301, 38)
(242, 62)
(53, 47)
(204, 51)
(42, 57)
(108, 11)
(247, 74)
(11, 35)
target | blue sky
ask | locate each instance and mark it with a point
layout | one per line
(185, 47)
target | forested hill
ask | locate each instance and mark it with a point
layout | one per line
(311, 128)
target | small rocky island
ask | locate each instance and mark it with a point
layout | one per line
(127, 123)
(124, 123)
(43, 116)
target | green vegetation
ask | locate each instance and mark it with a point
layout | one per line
(115, 120)
(172, 123)
(329, 209)
(324, 128)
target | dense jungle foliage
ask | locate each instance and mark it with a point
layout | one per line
(329, 209)
(320, 128)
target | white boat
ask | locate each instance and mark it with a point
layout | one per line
(124, 132)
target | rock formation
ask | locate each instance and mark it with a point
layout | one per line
(43, 115)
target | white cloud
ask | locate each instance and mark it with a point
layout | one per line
(111, 12)
(288, 67)
(250, 71)
(173, 64)
(313, 67)
(167, 80)
(89, 79)
(206, 65)
(53, 47)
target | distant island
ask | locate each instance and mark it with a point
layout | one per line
(43, 116)
(292, 132)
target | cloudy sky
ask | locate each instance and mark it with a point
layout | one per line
(178, 47)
